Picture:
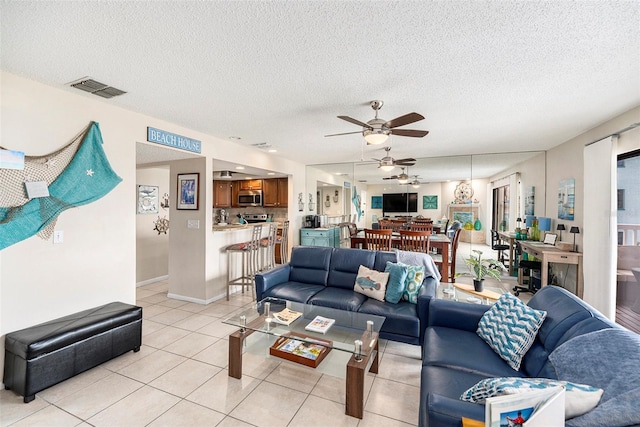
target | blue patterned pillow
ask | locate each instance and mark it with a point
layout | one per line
(510, 327)
(413, 283)
(579, 398)
(397, 281)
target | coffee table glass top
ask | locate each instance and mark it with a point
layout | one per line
(348, 327)
(458, 293)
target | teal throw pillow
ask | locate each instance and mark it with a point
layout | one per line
(510, 327)
(397, 281)
(413, 283)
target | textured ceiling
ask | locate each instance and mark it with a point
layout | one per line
(489, 77)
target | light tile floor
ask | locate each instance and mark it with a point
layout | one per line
(180, 378)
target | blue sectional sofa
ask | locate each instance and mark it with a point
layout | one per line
(575, 343)
(326, 276)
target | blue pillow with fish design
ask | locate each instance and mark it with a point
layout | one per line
(372, 283)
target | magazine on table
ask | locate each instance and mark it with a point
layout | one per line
(286, 316)
(537, 408)
(302, 348)
(320, 324)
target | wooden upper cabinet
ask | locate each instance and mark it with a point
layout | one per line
(251, 184)
(235, 189)
(222, 194)
(276, 192)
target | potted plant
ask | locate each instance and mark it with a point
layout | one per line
(480, 268)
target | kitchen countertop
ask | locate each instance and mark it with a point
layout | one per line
(236, 226)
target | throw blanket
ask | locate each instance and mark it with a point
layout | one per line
(420, 259)
(608, 359)
(85, 178)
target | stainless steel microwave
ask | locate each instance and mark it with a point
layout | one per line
(250, 198)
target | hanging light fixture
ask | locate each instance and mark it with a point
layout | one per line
(415, 184)
(376, 136)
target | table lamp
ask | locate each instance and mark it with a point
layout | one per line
(574, 230)
(544, 225)
(560, 228)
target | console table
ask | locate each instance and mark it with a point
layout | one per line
(547, 254)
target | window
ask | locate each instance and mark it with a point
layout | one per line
(621, 200)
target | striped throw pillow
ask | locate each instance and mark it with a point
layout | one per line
(510, 327)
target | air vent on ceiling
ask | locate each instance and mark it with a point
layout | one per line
(97, 88)
(262, 145)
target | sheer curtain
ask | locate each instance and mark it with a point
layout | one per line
(599, 229)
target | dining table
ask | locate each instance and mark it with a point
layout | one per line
(437, 242)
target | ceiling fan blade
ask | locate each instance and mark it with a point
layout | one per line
(347, 133)
(354, 121)
(391, 177)
(405, 162)
(404, 120)
(409, 132)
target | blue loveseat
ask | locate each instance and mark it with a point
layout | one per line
(326, 276)
(575, 343)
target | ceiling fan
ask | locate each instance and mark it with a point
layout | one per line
(416, 182)
(387, 163)
(376, 131)
(403, 178)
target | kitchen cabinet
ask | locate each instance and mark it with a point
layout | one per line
(320, 237)
(276, 192)
(235, 189)
(250, 184)
(222, 194)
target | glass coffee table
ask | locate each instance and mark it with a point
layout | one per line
(351, 342)
(465, 293)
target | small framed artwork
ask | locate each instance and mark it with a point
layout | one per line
(429, 202)
(188, 191)
(376, 202)
(550, 239)
(147, 199)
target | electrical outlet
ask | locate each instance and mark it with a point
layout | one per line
(58, 237)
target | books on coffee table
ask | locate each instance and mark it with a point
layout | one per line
(320, 324)
(301, 349)
(286, 316)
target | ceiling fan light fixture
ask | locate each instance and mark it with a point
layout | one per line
(415, 184)
(402, 180)
(375, 136)
(386, 168)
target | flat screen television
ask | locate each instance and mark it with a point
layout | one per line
(400, 202)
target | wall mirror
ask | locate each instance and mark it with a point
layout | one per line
(482, 191)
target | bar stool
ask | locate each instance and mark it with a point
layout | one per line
(283, 239)
(250, 262)
(267, 248)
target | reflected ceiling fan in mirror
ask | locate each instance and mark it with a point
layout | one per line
(377, 131)
(387, 163)
(403, 178)
(416, 182)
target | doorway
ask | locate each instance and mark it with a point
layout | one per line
(628, 233)
(500, 214)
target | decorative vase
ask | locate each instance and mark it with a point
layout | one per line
(477, 225)
(478, 285)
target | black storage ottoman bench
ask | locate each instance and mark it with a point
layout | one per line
(43, 355)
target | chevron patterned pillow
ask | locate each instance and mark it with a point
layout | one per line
(510, 327)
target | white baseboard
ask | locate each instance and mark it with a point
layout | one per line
(150, 281)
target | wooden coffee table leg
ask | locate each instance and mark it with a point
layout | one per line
(374, 365)
(355, 387)
(235, 354)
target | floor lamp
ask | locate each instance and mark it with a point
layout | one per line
(574, 230)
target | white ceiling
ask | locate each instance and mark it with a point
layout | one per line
(489, 76)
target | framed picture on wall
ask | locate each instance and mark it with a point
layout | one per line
(429, 202)
(566, 198)
(188, 191)
(376, 202)
(147, 199)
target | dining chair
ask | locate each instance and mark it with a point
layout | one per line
(378, 240)
(384, 224)
(397, 225)
(421, 226)
(415, 241)
(437, 258)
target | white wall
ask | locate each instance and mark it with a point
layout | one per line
(96, 264)
(152, 248)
